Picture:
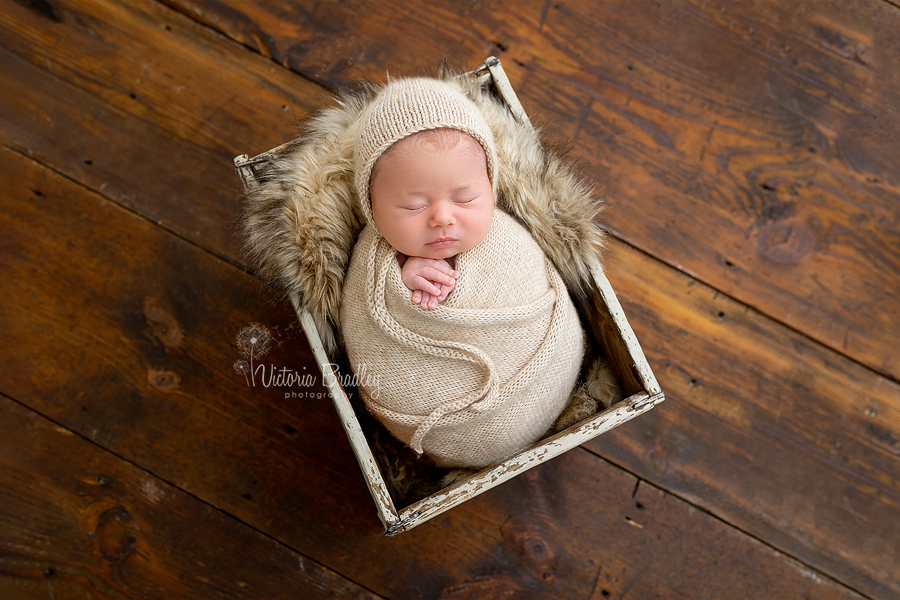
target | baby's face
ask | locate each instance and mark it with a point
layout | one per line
(431, 195)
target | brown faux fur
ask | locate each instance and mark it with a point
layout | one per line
(598, 391)
(301, 222)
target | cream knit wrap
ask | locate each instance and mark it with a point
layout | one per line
(483, 375)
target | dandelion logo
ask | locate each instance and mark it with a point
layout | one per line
(242, 367)
(253, 341)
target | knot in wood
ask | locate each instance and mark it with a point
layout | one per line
(115, 534)
(164, 381)
(163, 325)
(786, 242)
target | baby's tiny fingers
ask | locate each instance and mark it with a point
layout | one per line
(444, 267)
(427, 286)
(439, 277)
(429, 301)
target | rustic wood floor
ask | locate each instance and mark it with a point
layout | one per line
(750, 152)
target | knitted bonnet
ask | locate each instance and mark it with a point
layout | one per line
(408, 106)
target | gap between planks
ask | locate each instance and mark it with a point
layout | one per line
(177, 9)
(131, 211)
(813, 341)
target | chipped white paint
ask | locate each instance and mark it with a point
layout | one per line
(372, 474)
(245, 171)
(544, 450)
(244, 166)
(396, 521)
(504, 87)
(621, 323)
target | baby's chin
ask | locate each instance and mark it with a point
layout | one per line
(442, 254)
(447, 252)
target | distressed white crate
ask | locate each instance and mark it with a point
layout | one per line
(609, 328)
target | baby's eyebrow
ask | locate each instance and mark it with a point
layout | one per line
(456, 189)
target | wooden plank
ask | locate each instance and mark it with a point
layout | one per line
(78, 522)
(772, 125)
(568, 529)
(766, 429)
(139, 81)
(126, 335)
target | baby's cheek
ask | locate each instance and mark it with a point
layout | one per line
(484, 224)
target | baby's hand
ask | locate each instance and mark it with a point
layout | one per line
(430, 280)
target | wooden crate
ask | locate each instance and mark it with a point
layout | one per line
(609, 329)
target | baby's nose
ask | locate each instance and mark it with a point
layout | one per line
(442, 215)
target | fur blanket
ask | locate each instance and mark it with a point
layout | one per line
(301, 223)
(484, 374)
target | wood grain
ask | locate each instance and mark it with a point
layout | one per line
(160, 105)
(753, 145)
(766, 429)
(148, 371)
(78, 522)
(126, 335)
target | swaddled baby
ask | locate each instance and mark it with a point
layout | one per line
(449, 304)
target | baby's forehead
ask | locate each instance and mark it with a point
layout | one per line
(435, 140)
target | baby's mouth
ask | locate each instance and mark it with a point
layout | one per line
(442, 242)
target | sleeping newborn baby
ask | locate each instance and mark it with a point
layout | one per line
(432, 199)
(448, 303)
